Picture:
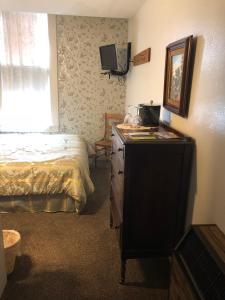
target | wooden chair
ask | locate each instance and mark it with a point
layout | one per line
(103, 147)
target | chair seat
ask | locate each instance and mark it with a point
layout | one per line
(103, 143)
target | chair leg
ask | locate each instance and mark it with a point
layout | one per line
(105, 153)
(95, 156)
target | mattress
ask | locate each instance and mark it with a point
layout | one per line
(36, 164)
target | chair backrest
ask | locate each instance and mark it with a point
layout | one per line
(111, 118)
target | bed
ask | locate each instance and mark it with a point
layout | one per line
(43, 172)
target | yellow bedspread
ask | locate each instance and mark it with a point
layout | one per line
(45, 164)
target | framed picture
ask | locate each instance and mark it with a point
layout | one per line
(178, 73)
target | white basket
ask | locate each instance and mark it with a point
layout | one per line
(11, 240)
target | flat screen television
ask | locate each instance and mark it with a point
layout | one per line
(108, 57)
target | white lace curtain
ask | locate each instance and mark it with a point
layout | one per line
(25, 100)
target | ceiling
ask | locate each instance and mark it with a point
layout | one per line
(94, 8)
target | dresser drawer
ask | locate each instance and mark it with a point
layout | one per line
(117, 166)
(118, 150)
(117, 184)
(115, 209)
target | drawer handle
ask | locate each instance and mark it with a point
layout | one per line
(120, 149)
(112, 134)
(120, 172)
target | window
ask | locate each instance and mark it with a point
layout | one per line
(27, 103)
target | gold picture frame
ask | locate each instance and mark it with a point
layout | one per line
(178, 73)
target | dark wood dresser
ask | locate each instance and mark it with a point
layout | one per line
(198, 265)
(149, 191)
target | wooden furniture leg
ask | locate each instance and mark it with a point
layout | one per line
(111, 221)
(123, 271)
(95, 156)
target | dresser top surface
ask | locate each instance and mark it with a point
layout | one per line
(158, 134)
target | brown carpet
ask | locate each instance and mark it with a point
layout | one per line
(66, 256)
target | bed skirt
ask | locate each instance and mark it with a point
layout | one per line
(37, 203)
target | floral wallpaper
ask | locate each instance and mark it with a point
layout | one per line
(84, 93)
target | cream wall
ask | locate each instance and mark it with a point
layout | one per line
(84, 94)
(158, 23)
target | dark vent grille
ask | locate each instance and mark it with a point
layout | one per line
(204, 270)
(190, 249)
(217, 290)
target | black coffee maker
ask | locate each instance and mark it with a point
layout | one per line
(149, 114)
